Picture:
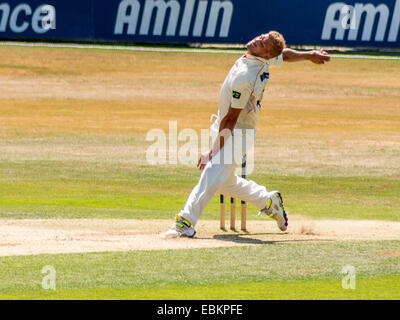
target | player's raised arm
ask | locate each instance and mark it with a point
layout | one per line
(315, 56)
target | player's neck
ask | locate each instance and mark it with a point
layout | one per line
(262, 59)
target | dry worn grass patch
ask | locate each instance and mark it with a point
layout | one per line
(341, 118)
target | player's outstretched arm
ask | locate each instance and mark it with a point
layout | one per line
(315, 56)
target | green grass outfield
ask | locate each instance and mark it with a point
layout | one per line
(84, 190)
(298, 270)
(378, 288)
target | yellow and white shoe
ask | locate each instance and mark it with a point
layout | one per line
(274, 209)
(181, 228)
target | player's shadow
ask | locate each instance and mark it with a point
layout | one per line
(245, 238)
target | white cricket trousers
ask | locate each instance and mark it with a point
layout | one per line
(219, 175)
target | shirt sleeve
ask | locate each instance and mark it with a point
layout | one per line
(241, 91)
(277, 61)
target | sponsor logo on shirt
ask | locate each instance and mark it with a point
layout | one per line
(258, 107)
(264, 76)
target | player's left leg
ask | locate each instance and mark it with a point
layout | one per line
(246, 190)
(268, 202)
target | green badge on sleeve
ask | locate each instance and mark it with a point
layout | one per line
(236, 94)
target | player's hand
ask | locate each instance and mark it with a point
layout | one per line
(319, 56)
(204, 158)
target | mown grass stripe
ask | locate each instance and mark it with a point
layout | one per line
(375, 288)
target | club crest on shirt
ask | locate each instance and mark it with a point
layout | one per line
(236, 94)
(264, 76)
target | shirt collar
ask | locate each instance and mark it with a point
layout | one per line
(252, 57)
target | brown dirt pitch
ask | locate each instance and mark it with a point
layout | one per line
(26, 237)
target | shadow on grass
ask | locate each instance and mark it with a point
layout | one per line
(246, 238)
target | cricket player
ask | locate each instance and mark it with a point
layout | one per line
(240, 102)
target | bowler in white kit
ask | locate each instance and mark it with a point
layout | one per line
(240, 102)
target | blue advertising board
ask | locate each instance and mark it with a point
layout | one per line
(367, 23)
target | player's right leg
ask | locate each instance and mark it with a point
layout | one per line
(213, 176)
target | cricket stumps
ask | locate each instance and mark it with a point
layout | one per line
(233, 207)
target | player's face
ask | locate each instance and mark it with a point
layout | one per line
(260, 46)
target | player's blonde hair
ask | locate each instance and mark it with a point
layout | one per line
(279, 42)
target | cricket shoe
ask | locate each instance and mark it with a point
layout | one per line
(274, 209)
(181, 228)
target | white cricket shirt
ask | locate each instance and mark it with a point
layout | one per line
(244, 87)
